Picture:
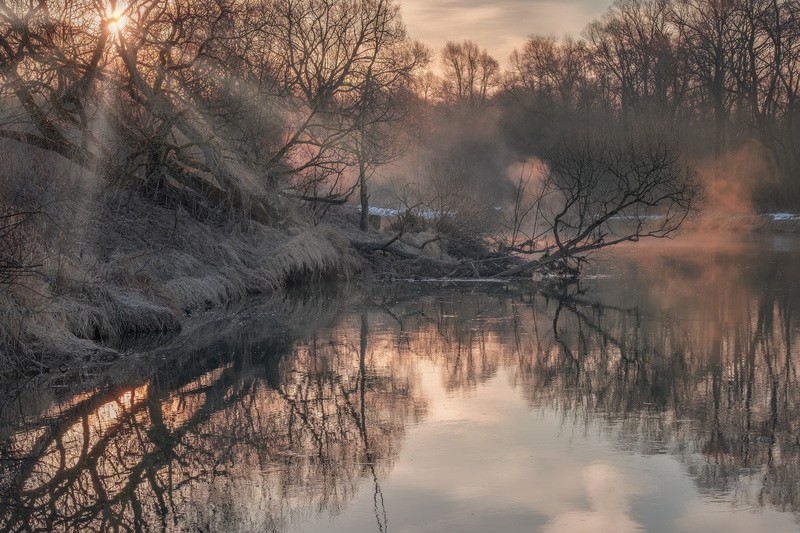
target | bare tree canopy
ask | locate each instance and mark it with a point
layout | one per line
(596, 194)
(470, 74)
(208, 102)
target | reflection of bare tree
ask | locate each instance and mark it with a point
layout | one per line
(258, 431)
(712, 380)
(719, 390)
(227, 431)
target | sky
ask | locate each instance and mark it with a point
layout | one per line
(497, 25)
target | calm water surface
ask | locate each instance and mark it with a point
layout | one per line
(664, 395)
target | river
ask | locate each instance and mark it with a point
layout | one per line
(662, 394)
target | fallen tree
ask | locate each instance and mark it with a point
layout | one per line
(598, 194)
(592, 195)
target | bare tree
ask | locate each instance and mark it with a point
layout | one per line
(638, 49)
(470, 74)
(110, 87)
(383, 102)
(599, 194)
(50, 58)
(708, 27)
(340, 66)
(557, 73)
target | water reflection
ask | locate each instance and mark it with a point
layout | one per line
(285, 426)
(281, 429)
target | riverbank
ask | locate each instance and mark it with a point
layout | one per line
(138, 268)
(119, 266)
(753, 223)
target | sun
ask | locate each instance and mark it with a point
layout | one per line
(116, 19)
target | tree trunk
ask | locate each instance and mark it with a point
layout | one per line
(362, 183)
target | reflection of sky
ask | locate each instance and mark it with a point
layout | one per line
(498, 25)
(484, 461)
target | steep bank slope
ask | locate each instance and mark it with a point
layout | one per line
(136, 268)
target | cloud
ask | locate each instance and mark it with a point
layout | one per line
(500, 26)
(610, 496)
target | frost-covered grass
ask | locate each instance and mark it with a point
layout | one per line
(110, 264)
(133, 267)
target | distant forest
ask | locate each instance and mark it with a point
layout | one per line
(715, 76)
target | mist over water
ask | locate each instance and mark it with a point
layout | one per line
(661, 396)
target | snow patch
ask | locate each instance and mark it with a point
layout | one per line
(780, 217)
(387, 212)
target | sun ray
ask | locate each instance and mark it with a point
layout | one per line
(116, 18)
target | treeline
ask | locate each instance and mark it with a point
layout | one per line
(712, 74)
(229, 106)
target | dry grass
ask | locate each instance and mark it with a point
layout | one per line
(131, 267)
